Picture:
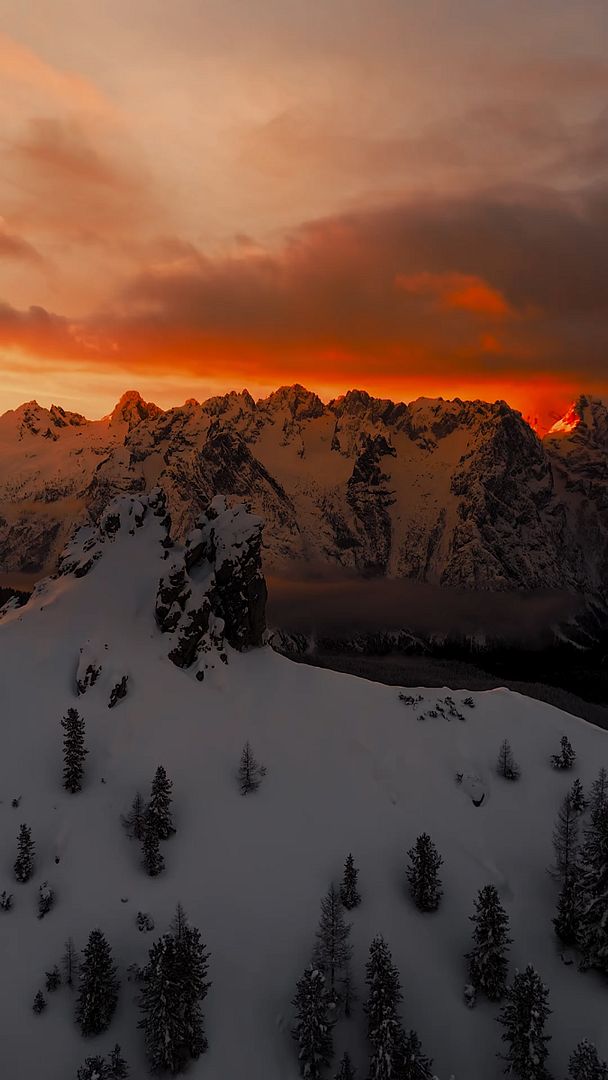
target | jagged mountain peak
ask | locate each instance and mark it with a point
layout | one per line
(132, 409)
(301, 403)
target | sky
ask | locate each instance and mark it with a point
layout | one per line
(408, 196)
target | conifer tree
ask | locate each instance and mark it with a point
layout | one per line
(6, 900)
(585, 1063)
(577, 798)
(117, 1066)
(593, 924)
(332, 950)
(46, 899)
(423, 874)
(98, 986)
(346, 1069)
(152, 855)
(414, 1065)
(53, 979)
(314, 1022)
(567, 921)
(488, 963)
(565, 839)
(384, 1029)
(40, 1003)
(70, 962)
(523, 1018)
(250, 771)
(24, 863)
(349, 894)
(192, 964)
(135, 821)
(506, 765)
(93, 1068)
(74, 750)
(162, 1013)
(159, 807)
(566, 757)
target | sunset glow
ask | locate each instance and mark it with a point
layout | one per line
(209, 198)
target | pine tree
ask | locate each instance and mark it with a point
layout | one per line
(53, 979)
(565, 839)
(250, 771)
(39, 1003)
(161, 1007)
(523, 1018)
(567, 921)
(566, 757)
(134, 822)
(332, 950)
(159, 807)
(506, 765)
(46, 899)
(585, 1063)
(593, 926)
(346, 1069)
(98, 986)
(577, 798)
(70, 962)
(24, 863)
(93, 1068)
(384, 1029)
(598, 798)
(74, 750)
(349, 893)
(414, 1065)
(488, 963)
(313, 1028)
(152, 855)
(6, 900)
(423, 874)
(117, 1066)
(192, 963)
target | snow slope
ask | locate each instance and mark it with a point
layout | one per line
(350, 767)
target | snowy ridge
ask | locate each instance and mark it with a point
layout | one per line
(351, 767)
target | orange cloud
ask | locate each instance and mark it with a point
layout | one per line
(457, 292)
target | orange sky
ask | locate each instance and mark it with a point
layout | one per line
(399, 197)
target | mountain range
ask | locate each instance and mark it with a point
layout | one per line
(457, 494)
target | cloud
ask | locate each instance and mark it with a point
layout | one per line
(457, 292)
(16, 247)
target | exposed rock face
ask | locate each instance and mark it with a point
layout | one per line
(446, 492)
(118, 692)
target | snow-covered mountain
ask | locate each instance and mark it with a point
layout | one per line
(166, 636)
(456, 493)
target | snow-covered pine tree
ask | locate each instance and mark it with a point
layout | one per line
(384, 1028)
(74, 750)
(346, 1069)
(98, 986)
(153, 860)
(349, 894)
(117, 1066)
(53, 979)
(24, 863)
(598, 797)
(506, 766)
(585, 1063)
(488, 962)
(6, 900)
(159, 1001)
(39, 1004)
(314, 1023)
(159, 807)
(565, 839)
(593, 926)
(567, 921)
(93, 1068)
(577, 798)
(523, 1018)
(566, 757)
(250, 771)
(192, 966)
(46, 899)
(70, 962)
(423, 874)
(414, 1065)
(135, 820)
(332, 949)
